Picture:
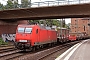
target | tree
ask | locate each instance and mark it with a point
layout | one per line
(24, 3)
(68, 25)
(1, 7)
(56, 22)
(15, 3)
(9, 5)
(30, 3)
(34, 21)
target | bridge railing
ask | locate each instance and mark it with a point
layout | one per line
(58, 2)
(48, 3)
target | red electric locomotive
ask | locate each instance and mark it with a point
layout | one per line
(28, 36)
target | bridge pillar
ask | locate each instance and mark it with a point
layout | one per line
(7, 27)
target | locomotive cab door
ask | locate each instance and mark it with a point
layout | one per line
(37, 36)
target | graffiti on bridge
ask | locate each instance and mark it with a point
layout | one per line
(8, 37)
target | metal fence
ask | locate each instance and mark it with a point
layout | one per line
(49, 3)
(58, 2)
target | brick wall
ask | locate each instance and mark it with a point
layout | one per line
(10, 28)
(79, 25)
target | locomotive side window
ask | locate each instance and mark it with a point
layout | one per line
(21, 30)
(28, 30)
(37, 31)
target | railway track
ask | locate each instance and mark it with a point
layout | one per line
(43, 54)
(56, 49)
(10, 55)
(13, 54)
(6, 50)
(66, 46)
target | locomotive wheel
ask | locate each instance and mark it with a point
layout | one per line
(34, 48)
(41, 46)
(38, 47)
(30, 49)
(24, 50)
(50, 44)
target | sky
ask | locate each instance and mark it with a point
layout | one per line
(68, 20)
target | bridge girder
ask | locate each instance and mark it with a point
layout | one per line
(53, 12)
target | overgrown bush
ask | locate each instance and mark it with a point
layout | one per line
(2, 42)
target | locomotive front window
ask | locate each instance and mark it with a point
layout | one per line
(28, 30)
(21, 30)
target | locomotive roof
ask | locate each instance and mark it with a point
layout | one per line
(42, 27)
(26, 25)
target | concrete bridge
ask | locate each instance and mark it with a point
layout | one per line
(53, 12)
(9, 18)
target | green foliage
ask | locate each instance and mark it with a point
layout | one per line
(48, 22)
(24, 3)
(16, 4)
(56, 22)
(33, 21)
(1, 6)
(2, 42)
(9, 5)
(68, 25)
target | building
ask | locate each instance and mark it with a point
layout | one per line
(79, 26)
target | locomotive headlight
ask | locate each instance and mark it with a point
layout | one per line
(23, 41)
